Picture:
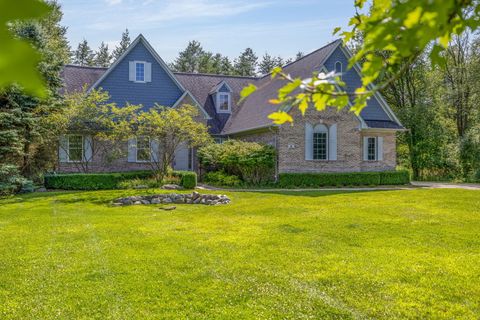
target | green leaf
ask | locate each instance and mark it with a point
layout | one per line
(289, 88)
(247, 91)
(413, 18)
(280, 117)
(276, 71)
(336, 30)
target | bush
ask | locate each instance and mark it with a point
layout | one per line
(292, 180)
(10, 180)
(120, 180)
(222, 179)
(188, 179)
(252, 162)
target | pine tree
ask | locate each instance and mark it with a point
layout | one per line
(102, 56)
(299, 55)
(267, 64)
(188, 60)
(246, 63)
(122, 46)
(83, 55)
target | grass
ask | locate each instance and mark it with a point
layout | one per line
(300, 255)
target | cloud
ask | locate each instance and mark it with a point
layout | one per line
(113, 2)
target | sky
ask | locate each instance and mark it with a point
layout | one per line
(279, 27)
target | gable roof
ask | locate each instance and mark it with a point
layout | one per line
(254, 111)
(152, 51)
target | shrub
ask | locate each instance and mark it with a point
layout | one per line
(188, 179)
(222, 179)
(252, 162)
(10, 180)
(104, 181)
(292, 180)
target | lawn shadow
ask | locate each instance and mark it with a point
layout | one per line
(322, 193)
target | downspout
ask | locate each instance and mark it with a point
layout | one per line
(275, 143)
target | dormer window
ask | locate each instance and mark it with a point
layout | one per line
(140, 71)
(223, 102)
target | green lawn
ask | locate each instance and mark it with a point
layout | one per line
(315, 255)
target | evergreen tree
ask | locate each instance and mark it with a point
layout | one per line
(102, 56)
(122, 46)
(246, 63)
(299, 55)
(268, 63)
(24, 139)
(84, 55)
(189, 59)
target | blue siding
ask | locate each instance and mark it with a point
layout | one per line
(373, 110)
(224, 88)
(162, 90)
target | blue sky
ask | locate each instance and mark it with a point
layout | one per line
(279, 27)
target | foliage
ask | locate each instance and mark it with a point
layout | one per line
(401, 29)
(102, 56)
(313, 180)
(252, 162)
(170, 128)
(246, 63)
(122, 46)
(18, 59)
(23, 136)
(220, 178)
(92, 181)
(312, 255)
(188, 179)
(268, 63)
(116, 180)
(195, 59)
(84, 55)
(10, 179)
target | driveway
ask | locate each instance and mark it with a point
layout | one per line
(446, 185)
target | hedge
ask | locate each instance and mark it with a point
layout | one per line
(297, 180)
(104, 181)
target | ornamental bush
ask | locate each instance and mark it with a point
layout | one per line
(313, 180)
(254, 163)
(222, 179)
(105, 181)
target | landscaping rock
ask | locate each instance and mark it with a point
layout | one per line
(193, 198)
(172, 187)
(141, 187)
(168, 208)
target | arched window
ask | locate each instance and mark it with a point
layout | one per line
(338, 68)
(320, 142)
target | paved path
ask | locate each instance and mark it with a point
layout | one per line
(446, 185)
(414, 185)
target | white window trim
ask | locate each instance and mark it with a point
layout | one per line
(144, 70)
(149, 148)
(229, 102)
(68, 148)
(376, 149)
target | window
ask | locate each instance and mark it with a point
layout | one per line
(143, 149)
(320, 146)
(320, 142)
(219, 140)
(338, 67)
(75, 148)
(372, 148)
(224, 102)
(140, 71)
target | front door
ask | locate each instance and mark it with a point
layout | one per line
(182, 158)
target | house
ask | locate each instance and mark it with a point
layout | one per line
(327, 141)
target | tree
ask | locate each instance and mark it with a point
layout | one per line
(189, 59)
(102, 56)
(169, 128)
(299, 55)
(85, 113)
(403, 28)
(122, 46)
(268, 63)
(22, 134)
(246, 63)
(84, 55)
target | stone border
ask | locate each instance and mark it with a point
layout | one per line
(187, 198)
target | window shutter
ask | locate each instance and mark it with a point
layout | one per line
(308, 141)
(63, 149)
(132, 150)
(365, 148)
(131, 71)
(380, 148)
(148, 72)
(154, 150)
(88, 148)
(332, 142)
